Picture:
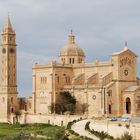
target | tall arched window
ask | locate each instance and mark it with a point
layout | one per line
(58, 79)
(128, 105)
(3, 99)
(73, 60)
(12, 110)
(70, 60)
(109, 109)
(11, 99)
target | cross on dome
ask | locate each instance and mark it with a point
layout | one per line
(71, 31)
(125, 48)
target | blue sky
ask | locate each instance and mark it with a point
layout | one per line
(42, 26)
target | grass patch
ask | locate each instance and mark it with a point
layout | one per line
(53, 132)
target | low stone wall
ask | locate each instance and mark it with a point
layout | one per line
(60, 120)
(3, 121)
(135, 131)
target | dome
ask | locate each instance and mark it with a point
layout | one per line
(72, 49)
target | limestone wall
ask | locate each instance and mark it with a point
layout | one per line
(60, 120)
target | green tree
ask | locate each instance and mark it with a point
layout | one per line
(66, 102)
(23, 136)
(125, 136)
(84, 107)
(17, 115)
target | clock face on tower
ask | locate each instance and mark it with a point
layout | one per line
(127, 66)
(3, 50)
(12, 50)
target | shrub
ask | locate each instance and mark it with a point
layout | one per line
(38, 132)
(119, 124)
(22, 136)
(87, 126)
(127, 126)
(74, 133)
(102, 135)
(126, 136)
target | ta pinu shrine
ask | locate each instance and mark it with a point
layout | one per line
(108, 88)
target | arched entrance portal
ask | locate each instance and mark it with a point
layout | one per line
(128, 105)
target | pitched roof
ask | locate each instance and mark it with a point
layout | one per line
(77, 76)
(8, 24)
(132, 88)
(124, 50)
(93, 74)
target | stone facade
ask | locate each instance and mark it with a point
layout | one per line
(100, 85)
(108, 88)
(8, 85)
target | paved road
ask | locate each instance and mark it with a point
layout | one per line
(113, 130)
(79, 127)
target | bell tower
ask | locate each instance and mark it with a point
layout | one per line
(8, 91)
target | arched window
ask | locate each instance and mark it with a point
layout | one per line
(4, 38)
(69, 79)
(70, 60)
(3, 99)
(10, 38)
(109, 93)
(128, 105)
(25, 107)
(79, 60)
(11, 99)
(64, 60)
(73, 60)
(12, 110)
(41, 80)
(58, 79)
(109, 109)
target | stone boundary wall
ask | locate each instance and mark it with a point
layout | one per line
(60, 120)
(3, 121)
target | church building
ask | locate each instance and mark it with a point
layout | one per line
(108, 88)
